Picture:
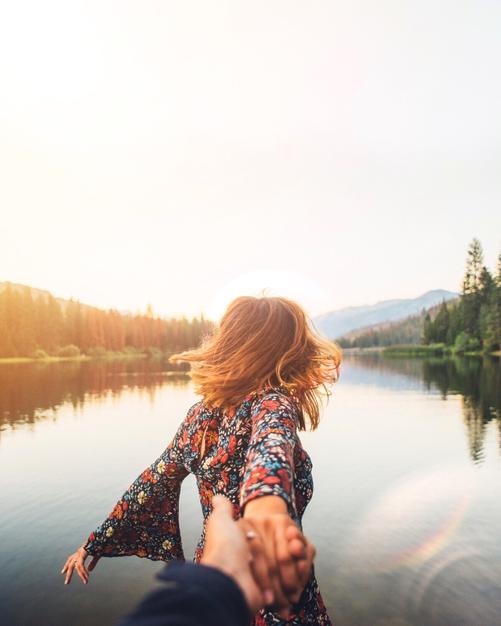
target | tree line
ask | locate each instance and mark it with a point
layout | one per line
(403, 332)
(470, 323)
(41, 325)
(473, 323)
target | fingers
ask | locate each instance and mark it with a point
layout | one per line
(76, 563)
(258, 561)
(296, 540)
(304, 565)
(267, 566)
(286, 563)
(222, 506)
(69, 573)
(65, 566)
(281, 600)
(82, 572)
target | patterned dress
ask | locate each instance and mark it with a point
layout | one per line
(250, 451)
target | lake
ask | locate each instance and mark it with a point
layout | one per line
(406, 514)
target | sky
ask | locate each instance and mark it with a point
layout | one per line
(181, 153)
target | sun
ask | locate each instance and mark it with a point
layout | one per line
(272, 282)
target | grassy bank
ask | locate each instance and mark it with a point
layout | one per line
(437, 349)
(80, 357)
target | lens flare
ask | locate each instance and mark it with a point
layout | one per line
(415, 520)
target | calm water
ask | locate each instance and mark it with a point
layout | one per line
(406, 514)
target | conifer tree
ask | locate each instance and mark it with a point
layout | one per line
(491, 319)
(441, 324)
(427, 330)
(471, 290)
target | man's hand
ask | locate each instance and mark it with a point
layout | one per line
(227, 549)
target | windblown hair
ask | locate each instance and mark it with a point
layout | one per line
(262, 343)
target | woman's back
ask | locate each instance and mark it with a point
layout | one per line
(251, 451)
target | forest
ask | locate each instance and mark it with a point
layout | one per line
(39, 326)
(470, 323)
(473, 323)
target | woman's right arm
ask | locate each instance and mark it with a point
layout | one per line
(144, 522)
(267, 497)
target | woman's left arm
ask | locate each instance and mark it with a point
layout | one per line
(144, 522)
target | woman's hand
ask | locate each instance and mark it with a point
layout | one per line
(289, 554)
(76, 562)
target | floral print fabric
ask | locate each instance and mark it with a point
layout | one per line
(243, 453)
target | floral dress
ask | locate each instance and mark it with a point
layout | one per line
(249, 451)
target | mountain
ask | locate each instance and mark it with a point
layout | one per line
(338, 323)
(36, 293)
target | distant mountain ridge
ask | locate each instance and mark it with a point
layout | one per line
(37, 293)
(335, 324)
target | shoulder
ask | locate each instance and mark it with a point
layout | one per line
(275, 404)
(194, 410)
(274, 398)
(195, 413)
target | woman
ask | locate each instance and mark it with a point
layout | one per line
(260, 377)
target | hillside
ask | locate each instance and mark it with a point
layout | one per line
(35, 293)
(401, 332)
(35, 324)
(341, 322)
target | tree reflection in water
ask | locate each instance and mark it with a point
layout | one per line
(476, 379)
(30, 392)
(34, 391)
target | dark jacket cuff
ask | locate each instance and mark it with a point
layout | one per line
(192, 595)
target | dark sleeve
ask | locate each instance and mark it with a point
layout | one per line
(269, 462)
(191, 595)
(145, 521)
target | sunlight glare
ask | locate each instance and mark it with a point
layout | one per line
(271, 282)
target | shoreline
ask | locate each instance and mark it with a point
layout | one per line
(416, 350)
(80, 357)
(410, 351)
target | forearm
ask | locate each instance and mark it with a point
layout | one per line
(265, 505)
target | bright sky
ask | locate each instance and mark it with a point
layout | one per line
(179, 153)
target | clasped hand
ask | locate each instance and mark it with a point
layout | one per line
(265, 552)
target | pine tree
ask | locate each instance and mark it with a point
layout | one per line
(441, 324)
(427, 330)
(455, 322)
(491, 320)
(472, 290)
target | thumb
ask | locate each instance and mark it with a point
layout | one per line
(221, 506)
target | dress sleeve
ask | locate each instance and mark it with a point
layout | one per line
(145, 521)
(269, 462)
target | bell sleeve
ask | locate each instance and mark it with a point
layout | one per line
(269, 462)
(145, 521)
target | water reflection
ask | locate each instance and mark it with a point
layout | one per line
(33, 391)
(30, 392)
(407, 529)
(477, 380)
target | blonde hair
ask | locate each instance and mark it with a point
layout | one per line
(264, 343)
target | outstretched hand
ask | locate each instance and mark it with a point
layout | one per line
(76, 563)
